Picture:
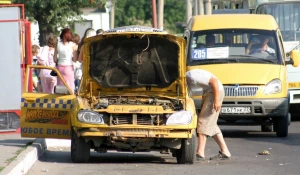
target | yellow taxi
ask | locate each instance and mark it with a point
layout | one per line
(132, 97)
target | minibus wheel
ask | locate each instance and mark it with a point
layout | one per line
(80, 150)
(282, 125)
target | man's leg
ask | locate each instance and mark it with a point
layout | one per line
(221, 142)
(201, 144)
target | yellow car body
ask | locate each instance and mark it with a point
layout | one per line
(254, 79)
(132, 97)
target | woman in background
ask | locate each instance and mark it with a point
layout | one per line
(64, 56)
(46, 59)
(88, 33)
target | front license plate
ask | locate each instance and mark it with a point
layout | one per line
(236, 110)
(294, 85)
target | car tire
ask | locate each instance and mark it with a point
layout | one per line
(80, 150)
(266, 128)
(282, 125)
(187, 153)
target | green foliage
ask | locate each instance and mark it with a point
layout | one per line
(131, 12)
(53, 14)
(174, 11)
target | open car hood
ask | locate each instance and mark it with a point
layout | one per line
(153, 61)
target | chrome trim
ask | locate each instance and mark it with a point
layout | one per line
(240, 91)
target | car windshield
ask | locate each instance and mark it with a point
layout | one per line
(233, 46)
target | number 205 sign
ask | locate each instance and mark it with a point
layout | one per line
(199, 54)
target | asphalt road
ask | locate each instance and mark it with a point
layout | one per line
(244, 143)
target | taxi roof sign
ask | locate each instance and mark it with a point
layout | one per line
(134, 29)
(5, 2)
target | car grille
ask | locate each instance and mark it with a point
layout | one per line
(241, 91)
(136, 119)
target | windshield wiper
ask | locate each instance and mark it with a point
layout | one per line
(254, 58)
(244, 56)
(215, 61)
(249, 59)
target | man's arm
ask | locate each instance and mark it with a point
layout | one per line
(215, 86)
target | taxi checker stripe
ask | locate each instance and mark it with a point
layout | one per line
(48, 103)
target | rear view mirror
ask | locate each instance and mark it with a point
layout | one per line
(295, 56)
(63, 90)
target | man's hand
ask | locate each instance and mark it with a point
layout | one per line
(215, 86)
(217, 105)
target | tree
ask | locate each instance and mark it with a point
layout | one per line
(129, 12)
(52, 15)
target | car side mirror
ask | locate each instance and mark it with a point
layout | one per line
(295, 56)
(63, 90)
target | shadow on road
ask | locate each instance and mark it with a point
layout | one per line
(257, 135)
(110, 157)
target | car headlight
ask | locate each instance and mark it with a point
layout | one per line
(180, 118)
(273, 87)
(90, 117)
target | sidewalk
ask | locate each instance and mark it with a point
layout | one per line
(18, 154)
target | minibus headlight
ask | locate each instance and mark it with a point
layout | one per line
(273, 87)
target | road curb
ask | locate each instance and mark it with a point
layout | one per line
(26, 158)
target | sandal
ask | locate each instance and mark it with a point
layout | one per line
(199, 158)
(220, 156)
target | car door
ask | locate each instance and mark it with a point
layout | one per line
(46, 115)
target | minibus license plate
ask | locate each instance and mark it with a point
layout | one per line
(236, 110)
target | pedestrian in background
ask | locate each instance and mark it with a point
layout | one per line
(76, 39)
(88, 33)
(64, 56)
(46, 58)
(77, 69)
(35, 74)
(78, 73)
(212, 98)
(99, 31)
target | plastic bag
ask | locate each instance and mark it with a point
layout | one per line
(78, 73)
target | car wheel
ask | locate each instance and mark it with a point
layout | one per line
(80, 150)
(282, 126)
(266, 128)
(187, 153)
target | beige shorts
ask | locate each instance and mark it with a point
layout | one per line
(208, 118)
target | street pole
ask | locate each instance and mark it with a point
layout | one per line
(154, 18)
(200, 7)
(207, 4)
(188, 10)
(112, 15)
(195, 7)
(161, 14)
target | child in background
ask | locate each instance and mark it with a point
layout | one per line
(46, 59)
(77, 64)
(35, 73)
